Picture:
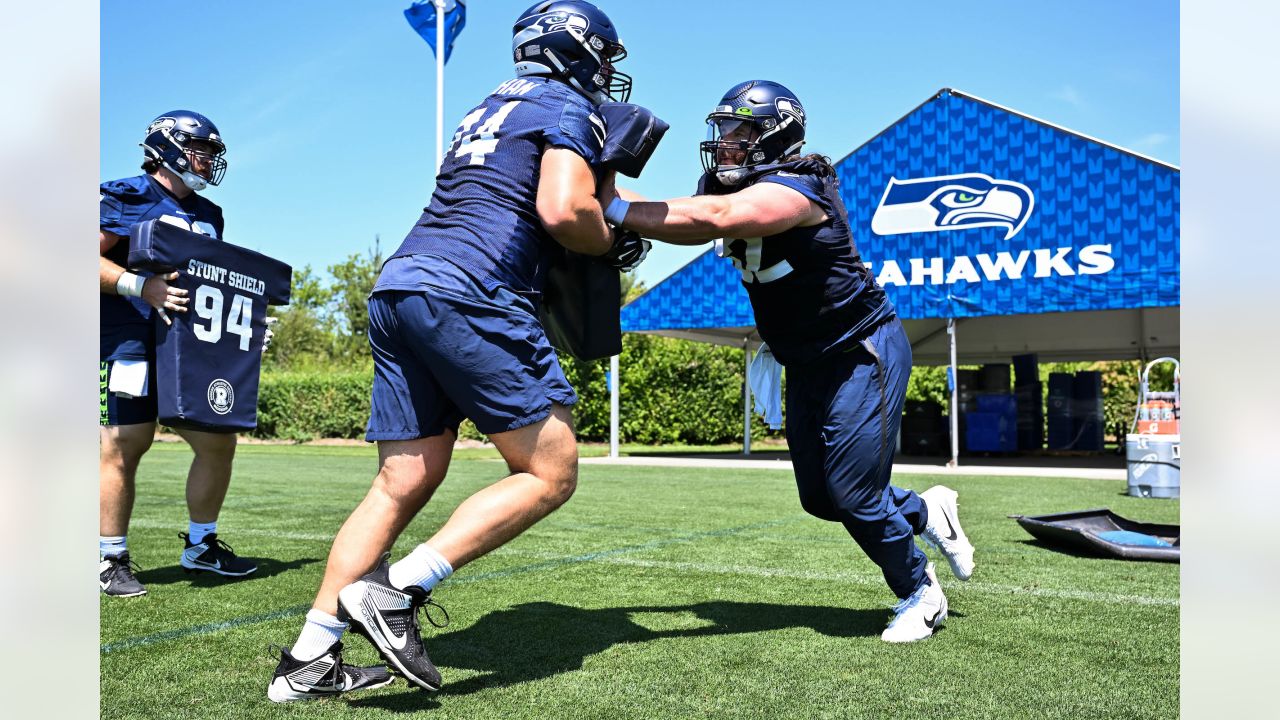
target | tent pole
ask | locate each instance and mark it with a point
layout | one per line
(746, 397)
(613, 407)
(955, 397)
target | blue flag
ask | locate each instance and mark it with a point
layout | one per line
(422, 16)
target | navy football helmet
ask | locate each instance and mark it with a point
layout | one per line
(575, 42)
(756, 122)
(169, 141)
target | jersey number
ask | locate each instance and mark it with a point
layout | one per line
(746, 254)
(209, 307)
(485, 139)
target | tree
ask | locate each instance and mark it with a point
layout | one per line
(353, 280)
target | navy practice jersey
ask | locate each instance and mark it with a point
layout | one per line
(125, 322)
(808, 287)
(208, 360)
(483, 214)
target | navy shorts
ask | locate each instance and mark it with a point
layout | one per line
(116, 410)
(452, 350)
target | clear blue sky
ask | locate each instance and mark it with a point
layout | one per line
(328, 106)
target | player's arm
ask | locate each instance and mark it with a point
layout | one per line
(155, 290)
(760, 210)
(567, 203)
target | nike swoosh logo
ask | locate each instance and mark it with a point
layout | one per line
(929, 622)
(950, 527)
(396, 641)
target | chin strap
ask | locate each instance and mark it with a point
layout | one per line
(804, 166)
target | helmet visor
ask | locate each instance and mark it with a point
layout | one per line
(730, 141)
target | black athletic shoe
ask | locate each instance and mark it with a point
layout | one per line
(213, 555)
(388, 618)
(324, 676)
(115, 577)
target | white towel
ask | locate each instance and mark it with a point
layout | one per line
(766, 386)
(128, 378)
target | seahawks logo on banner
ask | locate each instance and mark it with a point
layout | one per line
(952, 202)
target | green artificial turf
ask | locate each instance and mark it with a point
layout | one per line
(654, 593)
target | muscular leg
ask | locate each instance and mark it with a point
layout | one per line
(210, 472)
(122, 447)
(411, 470)
(543, 459)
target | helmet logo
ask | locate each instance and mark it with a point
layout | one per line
(790, 108)
(743, 111)
(161, 123)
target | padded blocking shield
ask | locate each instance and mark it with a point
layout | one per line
(581, 304)
(1102, 532)
(209, 359)
(633, 134)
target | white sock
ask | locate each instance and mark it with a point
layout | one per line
(423, 567)
(318, 634)
(111, 546)
(197, 531)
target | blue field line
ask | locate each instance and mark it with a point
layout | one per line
(210, 628)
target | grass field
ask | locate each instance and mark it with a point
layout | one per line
(655, 593)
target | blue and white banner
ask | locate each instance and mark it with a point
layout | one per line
(965, 209)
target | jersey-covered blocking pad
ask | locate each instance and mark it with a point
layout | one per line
(1102, 532)
(209, 359)
(633, 133)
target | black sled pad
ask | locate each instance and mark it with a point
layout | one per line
(1104, 533)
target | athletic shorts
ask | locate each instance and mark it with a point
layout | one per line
(117, 410)
(452, 350)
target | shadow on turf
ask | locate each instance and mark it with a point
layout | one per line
(176, 573)
(538, 640)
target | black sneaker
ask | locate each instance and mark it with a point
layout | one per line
(115, 577)
(388, 618)
(324, 676)
(213, 555)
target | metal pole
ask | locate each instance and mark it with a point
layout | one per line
(746, 398)
(955, 397)
(613, 407)
(439, 81)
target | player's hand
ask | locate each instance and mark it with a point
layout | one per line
(628, 250)
(159, 294)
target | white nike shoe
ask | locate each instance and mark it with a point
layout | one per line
(916, 617)
(943, 530)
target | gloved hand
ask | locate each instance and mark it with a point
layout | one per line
(628, 250)
(269, 334)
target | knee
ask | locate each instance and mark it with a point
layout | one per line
(561, 481)
(403, 483)
(819, 506)
(217, 449)
(123, 452)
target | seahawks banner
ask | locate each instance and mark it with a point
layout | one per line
(965, 209)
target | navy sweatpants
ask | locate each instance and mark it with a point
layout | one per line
(843, 414)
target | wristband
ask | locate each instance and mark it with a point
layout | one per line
(617, 211)
(130, 284)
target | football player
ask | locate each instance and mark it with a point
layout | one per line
(827, 321)
(183, 154)
(455, 334)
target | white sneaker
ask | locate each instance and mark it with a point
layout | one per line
(943, 530)
(916, 617)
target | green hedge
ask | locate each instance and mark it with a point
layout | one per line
(672, 391)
